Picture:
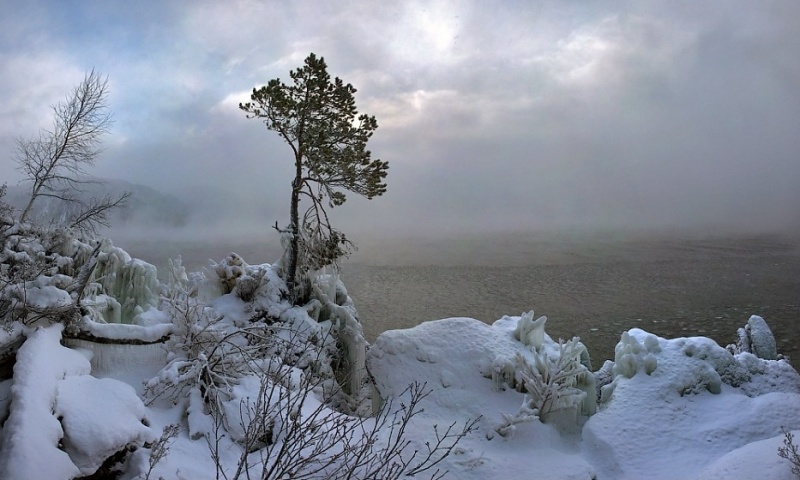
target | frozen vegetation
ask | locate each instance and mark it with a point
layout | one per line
(215, 374)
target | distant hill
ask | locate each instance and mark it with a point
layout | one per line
(145, 207)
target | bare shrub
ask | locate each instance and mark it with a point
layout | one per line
(790, 451)
(288, 433)
(268, 392)
(160, 448)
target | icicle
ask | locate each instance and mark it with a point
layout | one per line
(110, 357)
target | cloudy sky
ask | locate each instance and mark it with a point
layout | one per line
(507, 115)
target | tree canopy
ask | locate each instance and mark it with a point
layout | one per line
(319, 120)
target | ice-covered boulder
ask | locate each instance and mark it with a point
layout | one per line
(756, 338)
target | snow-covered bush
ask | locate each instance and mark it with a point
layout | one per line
(556, 380)
(285, 430)
(218, 344)
(228, 271)
(551, 383)
(196, 353)
(159, 449)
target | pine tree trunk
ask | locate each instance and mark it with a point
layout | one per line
(294, 227)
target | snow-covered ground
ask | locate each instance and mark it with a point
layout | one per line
(222, 377)
(667, 424)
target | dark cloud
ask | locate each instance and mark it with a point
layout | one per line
(519, 115)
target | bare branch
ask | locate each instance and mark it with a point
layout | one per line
(95, 213)
(55, 161)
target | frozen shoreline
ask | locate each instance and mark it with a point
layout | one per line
(664, 408)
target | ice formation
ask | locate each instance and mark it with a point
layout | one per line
(59, 268)
(338, 307)
(132, 283)
(630, 355)
(529, 331)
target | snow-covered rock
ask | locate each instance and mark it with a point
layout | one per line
(87, 407)
(762, 342)
(62, 422)
(31, 434)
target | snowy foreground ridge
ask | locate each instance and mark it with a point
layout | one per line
(109, 373)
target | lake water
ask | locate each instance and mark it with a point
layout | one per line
(593, 287)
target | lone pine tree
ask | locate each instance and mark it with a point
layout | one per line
(319, 120)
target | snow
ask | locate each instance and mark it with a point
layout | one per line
(676, 408)
(457, 358)
(58, 426)
(761, 339)
(664, 409)
(754, 460)
(87, 406)
(124, 331)
(31, 433)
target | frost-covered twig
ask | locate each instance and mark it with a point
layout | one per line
(790, 451)
(442, 448)
(160, 448)
(526, 413)
(288, 433)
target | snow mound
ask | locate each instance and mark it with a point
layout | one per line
(755, 460)
(468, 365)
(87, 406)
(31, 433)
(679, 403)
(59, 415)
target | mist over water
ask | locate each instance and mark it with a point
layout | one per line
(594, 286)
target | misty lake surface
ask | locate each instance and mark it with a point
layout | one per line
(591, 287)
